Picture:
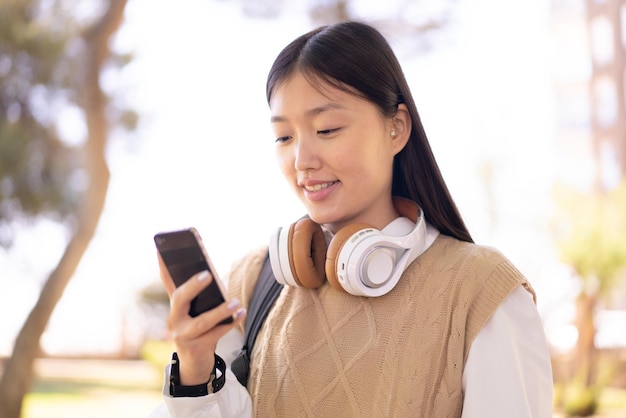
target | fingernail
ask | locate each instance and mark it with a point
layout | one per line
(203, 276)
(240, 313)
(233, 304)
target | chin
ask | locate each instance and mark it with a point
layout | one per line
(322, 214)
(322, 219)
(315, 216)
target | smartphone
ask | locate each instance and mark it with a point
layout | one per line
(184, 255)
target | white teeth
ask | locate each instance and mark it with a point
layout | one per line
(318, 187)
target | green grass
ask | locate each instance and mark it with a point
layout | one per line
(94, 389)
(94, 405)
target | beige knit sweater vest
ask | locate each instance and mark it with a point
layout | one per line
(323, 353)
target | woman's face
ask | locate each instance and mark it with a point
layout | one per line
(336, 151)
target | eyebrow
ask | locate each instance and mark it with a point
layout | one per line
(312, 112)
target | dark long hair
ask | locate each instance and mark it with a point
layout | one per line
(356, 58)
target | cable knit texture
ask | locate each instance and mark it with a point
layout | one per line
(323, 353)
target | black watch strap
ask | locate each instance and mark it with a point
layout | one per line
(215, 382)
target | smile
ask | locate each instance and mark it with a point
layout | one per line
(318, 187)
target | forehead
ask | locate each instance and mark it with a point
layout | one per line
(297, 84)
(299, 92)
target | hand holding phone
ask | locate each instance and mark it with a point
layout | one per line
(184, 255)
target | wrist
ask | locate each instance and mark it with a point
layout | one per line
(194, 372)
(214, 383)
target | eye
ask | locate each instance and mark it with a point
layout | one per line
(282, 139)
(328, 131)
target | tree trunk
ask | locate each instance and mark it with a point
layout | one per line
(18, 371)
(585, 347)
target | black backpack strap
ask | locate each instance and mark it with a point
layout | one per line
(265, 294)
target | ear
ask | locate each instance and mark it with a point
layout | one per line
(401, 125)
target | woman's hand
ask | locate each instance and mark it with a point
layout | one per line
(196, 337)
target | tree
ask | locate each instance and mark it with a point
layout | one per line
(591, 238)
(47, 55)
(35, 163)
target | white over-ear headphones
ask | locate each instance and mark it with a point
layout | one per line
(360, 259)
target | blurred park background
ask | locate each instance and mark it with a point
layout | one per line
(120, 119)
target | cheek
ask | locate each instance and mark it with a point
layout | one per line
(373, 163)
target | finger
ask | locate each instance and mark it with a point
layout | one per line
(168, 283)
(228, 310)
(238, 317)
(211, 321)
(181, 298)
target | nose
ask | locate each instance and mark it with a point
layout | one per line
(306, 154)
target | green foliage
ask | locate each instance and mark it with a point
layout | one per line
(38, 172)
(591, 238)
(42, 173)
(591, 234)
(154, 294)
(157, 353)
(573, 400)
(580, 401)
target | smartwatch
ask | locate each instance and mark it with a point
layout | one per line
(213, 385)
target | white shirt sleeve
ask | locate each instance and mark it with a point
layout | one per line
(508, 371)
(232, 400)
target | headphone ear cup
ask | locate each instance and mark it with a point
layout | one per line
(334, 248)
(307, 253)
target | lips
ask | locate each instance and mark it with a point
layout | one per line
(319, 186)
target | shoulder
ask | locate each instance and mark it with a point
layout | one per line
(473, 258)
(476, 268)
(481, 278)
(458, 249)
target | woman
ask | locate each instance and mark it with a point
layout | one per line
(432, 326)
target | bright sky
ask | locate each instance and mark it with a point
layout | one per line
(204, 156)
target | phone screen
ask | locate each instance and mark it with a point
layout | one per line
(183, 256)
